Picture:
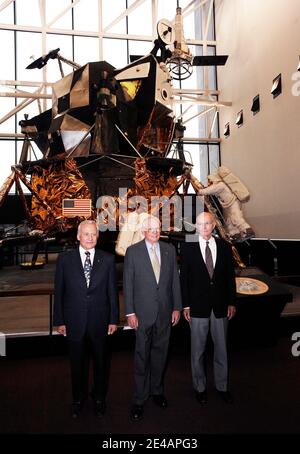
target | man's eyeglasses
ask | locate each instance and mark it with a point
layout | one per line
(153, 230)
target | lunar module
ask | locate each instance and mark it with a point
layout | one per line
(107, 129)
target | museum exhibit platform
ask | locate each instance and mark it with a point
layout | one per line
(29, 293)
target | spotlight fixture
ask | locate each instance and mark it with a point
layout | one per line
(255, 105)
(277, 86)
(239, 118)
(227, 130)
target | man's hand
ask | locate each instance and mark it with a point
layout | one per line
(62, 330)
(111, 329)
(186, 314)
(133, 321)
(231, 312)
(175, 317)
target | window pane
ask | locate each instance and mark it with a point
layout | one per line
(28, 45)
(198, 32)
(137, 25)
(7, 159)
(7, 15)
(109, 14)
(53, 8)
(211, 50)
(7, 104)
(211, 29)
(193, 154)
(189, 25)
(215, 129)
(203, 163)
(196, 126)
(86, 21)
(214, 158)
(166, 10)
(28, 13)
(115, 52)
(7, 55)
(140, 47)
(86, 49)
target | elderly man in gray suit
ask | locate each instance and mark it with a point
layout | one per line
(152, 299)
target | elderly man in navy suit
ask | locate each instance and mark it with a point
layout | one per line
(86, 311)
(209, 293)
(152, 303)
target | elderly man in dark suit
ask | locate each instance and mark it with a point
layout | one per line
(209, 293)
(152, 303)
(86, 310)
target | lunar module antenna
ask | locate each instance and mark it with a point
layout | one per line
(42, 61)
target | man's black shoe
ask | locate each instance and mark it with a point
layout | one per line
(136, 412)
(226, 396)
(160, 400)
(201, 397)
(76, 409)
(100, 408)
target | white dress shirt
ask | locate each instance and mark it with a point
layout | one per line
(83, 256)
(212, 246)
(156, 247)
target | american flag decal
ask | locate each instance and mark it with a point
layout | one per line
(76, 207)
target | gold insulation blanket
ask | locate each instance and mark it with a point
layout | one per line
(61, 180)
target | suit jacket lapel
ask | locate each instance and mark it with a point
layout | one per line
(79, 267)
(96, 265)
(218, 256)
(201, 259)
(164, 256)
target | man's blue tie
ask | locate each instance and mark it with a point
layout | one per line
(87, 268)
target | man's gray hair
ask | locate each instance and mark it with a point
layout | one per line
(206, 212)
(146, 221)
(86, 222)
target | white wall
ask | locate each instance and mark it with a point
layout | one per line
(262, 39)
